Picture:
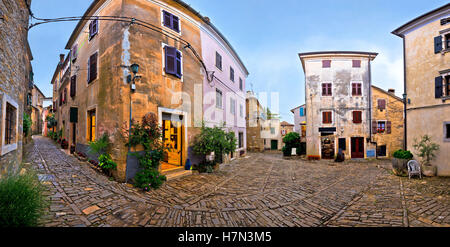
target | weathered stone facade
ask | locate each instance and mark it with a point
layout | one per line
(254, 121)
(14, 68)
(331, 103)
(427, 82)
(387, 122)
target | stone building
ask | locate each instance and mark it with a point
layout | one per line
(37, 108)
(387, 122)
(255, 120)
(337, 92)
(15, 69)
(271, 133)
(286, 128)
(426, 42)
(300, 121)
(95, 95)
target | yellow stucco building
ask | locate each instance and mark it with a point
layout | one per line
(426, 41)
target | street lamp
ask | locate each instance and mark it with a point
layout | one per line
(131, 78)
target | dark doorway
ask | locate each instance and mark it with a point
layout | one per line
(327, 141)
(274, 145)
(357, 147)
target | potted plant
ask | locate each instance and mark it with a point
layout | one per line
(426, 149)
(400, 162)
(72, 148)
(64, 144)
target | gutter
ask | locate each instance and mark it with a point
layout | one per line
(370, 108)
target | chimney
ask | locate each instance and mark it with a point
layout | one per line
(391, 91)
(207, 19)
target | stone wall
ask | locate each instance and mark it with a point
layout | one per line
(14, 60)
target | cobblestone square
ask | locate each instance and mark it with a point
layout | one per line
(262, 189)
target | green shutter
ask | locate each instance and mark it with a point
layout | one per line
(73, 115)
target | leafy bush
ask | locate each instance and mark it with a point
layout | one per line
(287, 151)
(402, 154)
(206, 166)
(106, 163)
(149, 178)
(291, 140)
(51, 121)
(214, 140)
(425, 149)
(99, 146)
(21, 200)
(26, 124)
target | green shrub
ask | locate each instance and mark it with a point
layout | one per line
(426, 149)
(99, 146)
(292, 139)
(402, 154)
(106, 163)
(287, 151)
(26, 124)
(214, 140)
(21, 200)
(149, 178)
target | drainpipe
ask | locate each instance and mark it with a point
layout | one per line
(405, 98)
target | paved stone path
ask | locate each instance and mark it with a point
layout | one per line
(261, 190)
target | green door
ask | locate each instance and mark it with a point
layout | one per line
(274, 144)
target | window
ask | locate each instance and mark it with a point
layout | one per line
(342, 144)
(302, 112)
(326, 89)
(381, 151)
(92, 68)
(447, 85)
(232, 106)
(283, 132)
(241, 110)
(171, 21)
(437, 44)
(447, 41)
(356, 89)
(381, 127)
(232, 74)
(438, 85)
(93, 28)
(241, 84)
(73, 86)
(91, 126)
(326, 63)
(356, 63)
(447, 131)
(65, 96)
(357, 117)
(172, 61)
(218, 61)
(218, 99)
(381, 104)
(326, 117)
(272, 131)
(74, 52)
(241, 140)
(10, 124)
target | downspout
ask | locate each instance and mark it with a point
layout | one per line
(370, 108)
(404, 96)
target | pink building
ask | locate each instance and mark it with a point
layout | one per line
(224, 87)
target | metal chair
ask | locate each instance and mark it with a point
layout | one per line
(414, 169)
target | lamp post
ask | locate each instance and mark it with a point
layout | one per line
(134, 68)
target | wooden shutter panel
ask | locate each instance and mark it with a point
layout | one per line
(374, 127)
(93, 67)
(438, 87)
(90, 29)
(178, 64)
(89, 70)
(381, 104)
(170, 57)
(166, 19)
(388, 127)
(324, 117)
(437, 44)
(73, 86)
(175, 23)
(73, 115)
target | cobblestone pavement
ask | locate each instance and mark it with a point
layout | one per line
(261, 190)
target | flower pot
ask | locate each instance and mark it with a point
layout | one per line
(399, 166)
(429, 170)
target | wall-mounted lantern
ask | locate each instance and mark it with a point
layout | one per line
(132, 78)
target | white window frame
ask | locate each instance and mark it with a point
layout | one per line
(170, 29)
(13, 146)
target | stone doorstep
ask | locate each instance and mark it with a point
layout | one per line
(178, 173)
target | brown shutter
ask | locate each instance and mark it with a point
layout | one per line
(374, 127)
(388, 127)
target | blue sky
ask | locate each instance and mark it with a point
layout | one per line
(268, 35)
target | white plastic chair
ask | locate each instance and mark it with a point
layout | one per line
(414, 169)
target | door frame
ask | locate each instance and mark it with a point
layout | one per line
(184, 130)
(351, 147)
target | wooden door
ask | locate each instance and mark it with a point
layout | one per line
(357, 147)
(172, 134)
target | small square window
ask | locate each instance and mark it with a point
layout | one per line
(381, 151)
(356, 63)
(326, 63)
(218, 61)
(327, 89)
(381, 127)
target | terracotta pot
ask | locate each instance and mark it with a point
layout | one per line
(429, 170)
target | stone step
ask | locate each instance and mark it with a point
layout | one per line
(176, 173)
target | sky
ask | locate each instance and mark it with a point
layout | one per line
(267, 35)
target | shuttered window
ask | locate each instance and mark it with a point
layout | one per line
(218, 61)
(381, 126)
(92, 68)
(356, 89)
(381, 104)
(326, 63)
(356, 63)
(232, 74)
(93, 28)
(171, 21)
(357, 117)
(388, 127)
(447, 86)
(241, 84)
(438, 87)
(10, 124)
(326, 117)
(172, 61)
(65, 96)
(437, 44)
(74, 52)
(218, 99)
(73, 86)
(326, 89)
(302, 112)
